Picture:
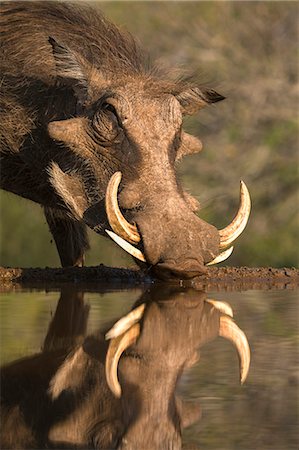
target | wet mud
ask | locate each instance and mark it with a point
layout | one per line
(223, 278)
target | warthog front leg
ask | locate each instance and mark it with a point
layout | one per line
(70, 237)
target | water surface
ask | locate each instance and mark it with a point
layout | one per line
(261, 414)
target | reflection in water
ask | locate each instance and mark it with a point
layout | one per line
(60, 398)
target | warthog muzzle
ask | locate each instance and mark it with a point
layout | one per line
(174, 242)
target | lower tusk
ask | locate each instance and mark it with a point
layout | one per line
(223, 307)
(126, 246)
(222, 257)
(230, 330)
(116, 347)
(230, 233)
(126, 322)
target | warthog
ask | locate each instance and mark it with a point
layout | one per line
(60, 398)
(82, 112)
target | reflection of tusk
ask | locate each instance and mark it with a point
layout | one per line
(223, 307)
(116, 347)
(235, 228)
(123, 324)
(230, 330)
(222, 257)
(116, 220)
(126, 246)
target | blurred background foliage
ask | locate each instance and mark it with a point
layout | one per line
(248, 51)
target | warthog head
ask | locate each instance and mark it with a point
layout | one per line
(128, 134)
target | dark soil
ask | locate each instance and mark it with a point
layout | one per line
(102, 277)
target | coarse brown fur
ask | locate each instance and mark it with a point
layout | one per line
(79, 101)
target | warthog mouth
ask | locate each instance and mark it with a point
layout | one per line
(125, 234)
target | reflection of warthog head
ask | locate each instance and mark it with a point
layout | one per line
(61, 399)
(90, 108)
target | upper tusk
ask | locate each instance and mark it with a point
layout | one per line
(223, 307)
(235, 228)
(116, 347)
(116, 220)
(230, 330)
(126, 246)
(123, 324)
(222, 257)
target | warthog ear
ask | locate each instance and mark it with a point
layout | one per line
(193, 99)
(70, 68)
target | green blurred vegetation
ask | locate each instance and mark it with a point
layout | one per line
(249, 52)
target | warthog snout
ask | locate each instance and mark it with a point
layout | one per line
(176, 242)
(168, 236)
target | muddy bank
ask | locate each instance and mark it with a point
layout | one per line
(223, 278)
(243, 278)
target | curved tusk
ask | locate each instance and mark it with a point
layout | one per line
(123, 324)
(235, 228)
(116, 220)
(126, 246)
(230, 330)
(222, 257)
(116, 347)
(223, 307)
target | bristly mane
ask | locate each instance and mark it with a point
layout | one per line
(73, 25)
(84, 30)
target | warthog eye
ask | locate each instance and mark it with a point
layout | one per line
(106, 123)
(108, 107)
